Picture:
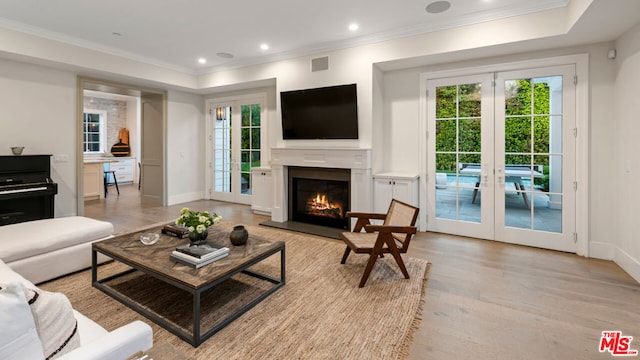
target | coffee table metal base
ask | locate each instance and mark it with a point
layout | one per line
(196, 337)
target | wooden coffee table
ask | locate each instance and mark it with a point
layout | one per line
(154, 261)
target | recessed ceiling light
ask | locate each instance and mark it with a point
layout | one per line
(264, 46)
(353, 27)
(225, 55)
(202, 60)
(437, 7)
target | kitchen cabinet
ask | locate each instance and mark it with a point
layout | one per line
(261, 190)
(124, 168)
(93, 181)
(387, 186)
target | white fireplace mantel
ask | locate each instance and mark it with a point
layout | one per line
(356, 159)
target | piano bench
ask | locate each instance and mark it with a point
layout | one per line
(42, 250)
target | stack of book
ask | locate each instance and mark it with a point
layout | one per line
(176, 230)
(197, 256)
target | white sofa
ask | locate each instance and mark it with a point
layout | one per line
(30, 337)
(41, 250)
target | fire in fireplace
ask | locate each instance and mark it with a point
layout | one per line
(320, 206)
(319, 196)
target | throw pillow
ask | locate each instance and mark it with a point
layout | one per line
(18, 334)
(53, 316)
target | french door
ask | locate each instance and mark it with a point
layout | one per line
(236, 141)
(460, 113)
(503, 156)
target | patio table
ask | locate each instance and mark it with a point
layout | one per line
(512, 173)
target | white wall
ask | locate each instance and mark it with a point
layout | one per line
(185, 147)
(627, 170)
(38, 111)
(400, 123)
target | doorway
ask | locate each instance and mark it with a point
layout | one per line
(110, 120)
(236, 142)
(503, 156)
(147, 135)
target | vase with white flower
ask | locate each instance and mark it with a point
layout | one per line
(197, 223)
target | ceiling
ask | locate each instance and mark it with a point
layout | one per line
(175, 34)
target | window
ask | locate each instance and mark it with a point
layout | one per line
(93, 131)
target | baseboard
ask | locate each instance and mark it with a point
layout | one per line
(628, 263)
(601, 250)
(608, 251)
(182, 198)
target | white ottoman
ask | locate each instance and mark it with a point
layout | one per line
(41, 250)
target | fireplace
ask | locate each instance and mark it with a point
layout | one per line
(319, 196)
(354, 166)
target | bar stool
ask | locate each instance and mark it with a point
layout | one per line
(139, 176)
(113, 173)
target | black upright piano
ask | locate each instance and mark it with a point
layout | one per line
(26, 189)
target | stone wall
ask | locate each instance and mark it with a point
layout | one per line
(116, 116)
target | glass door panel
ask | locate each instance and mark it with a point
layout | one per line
(457, 163)
(222, 152)
(536, 203)
(237, 141)
(527, 152)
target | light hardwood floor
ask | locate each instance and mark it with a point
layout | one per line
(483, 300)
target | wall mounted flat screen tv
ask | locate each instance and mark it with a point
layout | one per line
(320, 113)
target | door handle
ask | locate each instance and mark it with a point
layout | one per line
(485, 174)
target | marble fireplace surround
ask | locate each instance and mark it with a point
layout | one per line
(356, 159)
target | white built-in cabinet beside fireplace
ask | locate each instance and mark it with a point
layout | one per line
(387, 186)
(261, 190)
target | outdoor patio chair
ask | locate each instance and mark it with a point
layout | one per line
(393, 236)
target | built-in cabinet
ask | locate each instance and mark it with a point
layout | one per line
(387, 186)
(261, 190)
(124, 168)
(93, 181)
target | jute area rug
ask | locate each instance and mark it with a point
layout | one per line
(319, 314)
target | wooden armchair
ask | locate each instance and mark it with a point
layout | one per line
(393, 236)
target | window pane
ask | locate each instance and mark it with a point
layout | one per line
(92, 132)
(255, 115)
(517, 159)
(246, 115)
(517, 97)
(246, 160)
(541, 97)
(470, 100)
(255, 158)
(446, 163)
(446, 135)
(255, 138)
(517, 134)
(470, 158)
(469, 135)
(446, 102)
(245, 183)
(246, 138)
